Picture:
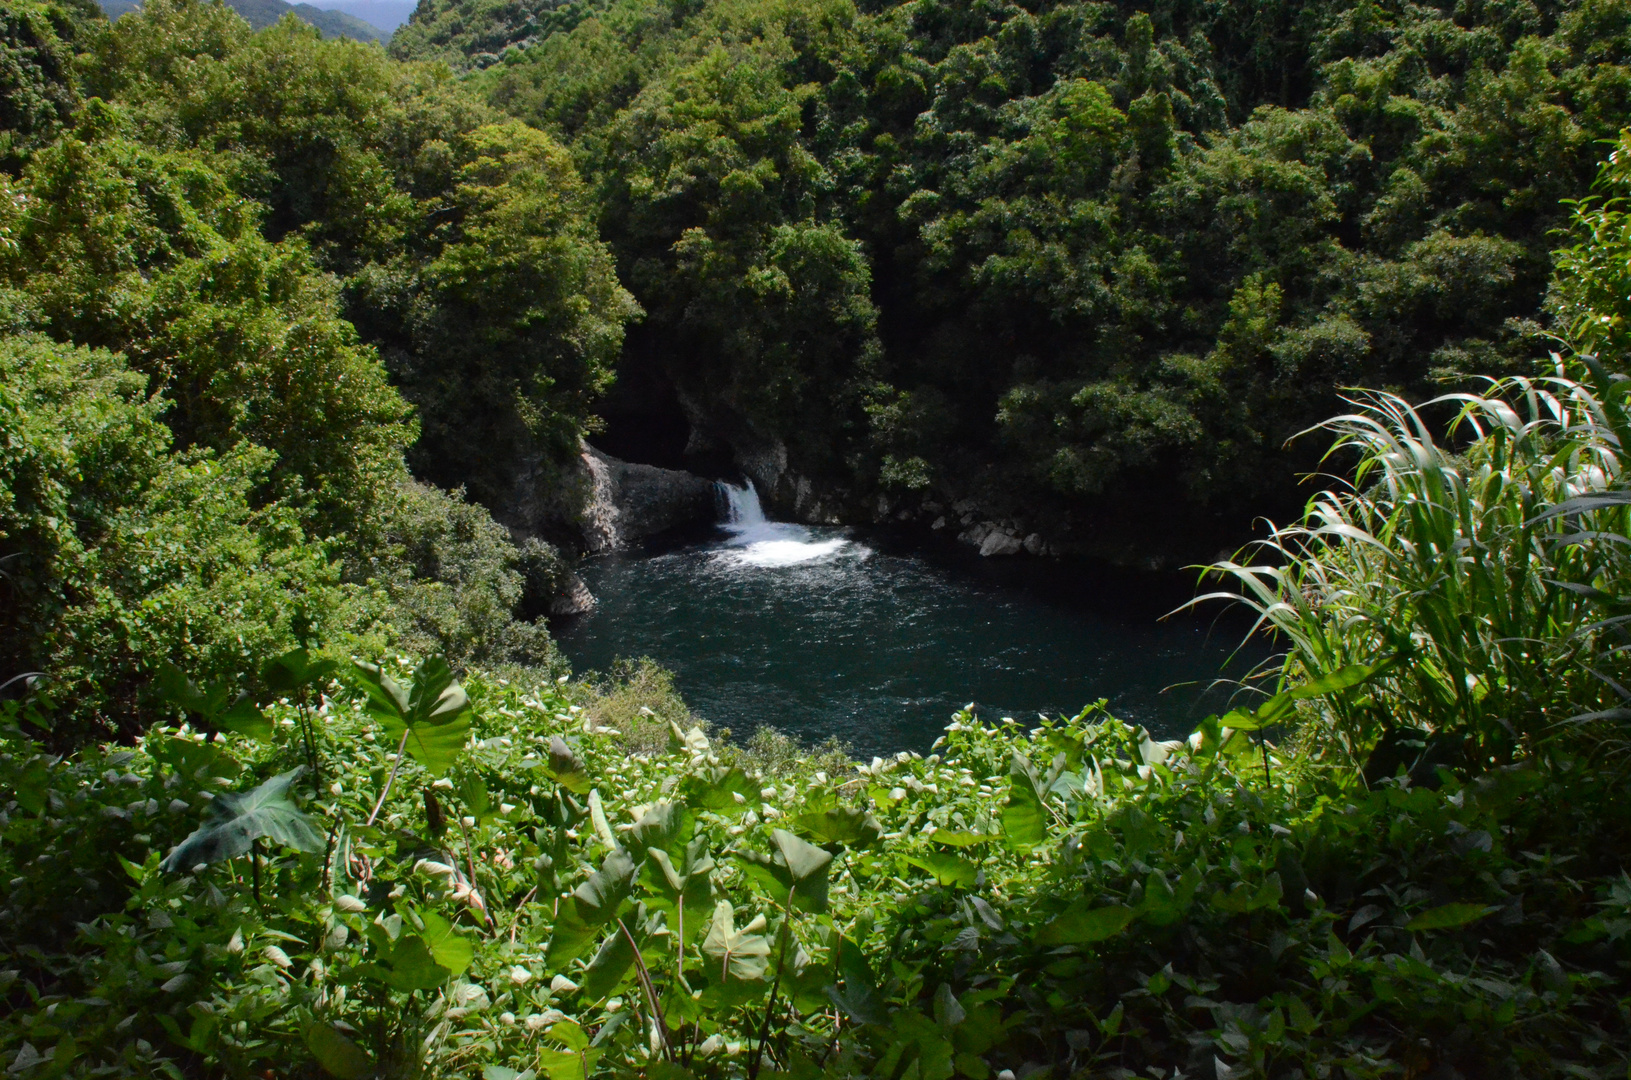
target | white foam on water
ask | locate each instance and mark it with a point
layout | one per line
(758, 542)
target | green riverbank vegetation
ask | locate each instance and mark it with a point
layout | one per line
(294, 784)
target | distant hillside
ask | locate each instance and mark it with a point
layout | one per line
(263, 13)
(387, 15)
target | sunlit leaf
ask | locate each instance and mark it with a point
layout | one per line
(238, 818)
(1084, 925)
(338, 1055)
(1449, 916)
(947, 869)
(742, 955)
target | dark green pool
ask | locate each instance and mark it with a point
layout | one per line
(823, 631)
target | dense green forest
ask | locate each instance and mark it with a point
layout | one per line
(294, 783)
(1074, 260)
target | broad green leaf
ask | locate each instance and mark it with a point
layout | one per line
(31, 786)
(295, 669)
(858, 996)
(717, 790)
(1164, 905)
(569, 1065)
(451, 949)
(407, 965)
(598, 899)
(1449, 916)
(504, 1072)
(478, 803)
(960, 839)
(565, 768)
(570, 937)
(338, 1055)
(238, 818)
(1343, 678)
(1243, 898)
(243, 718)
(947, 869)
(795, 867)
(661, 826)
(1083, 925)
(609, 967)
(1024, 824)
(666, 884)
(569, 1035)
(740, 955)
(843, 825)
(433, 710)
(216, 706)
(805, 862)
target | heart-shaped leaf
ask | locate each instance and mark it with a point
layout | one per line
(661, 826)
(1449, 916)
(338, 1055)
(448, 947)
(433, 711)
(294, 670)
(597, 900)
(1083, 925)
(238, 818)
(406, 965)
(795, 868)
(947, 869)
(738, 955)
(718, 790)
(842, 825)
(216, 707)
(667, 885)
(565, 768)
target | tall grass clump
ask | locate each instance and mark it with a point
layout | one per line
(1484, 570)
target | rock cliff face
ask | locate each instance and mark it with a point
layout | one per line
(628, 503)
(598, 503)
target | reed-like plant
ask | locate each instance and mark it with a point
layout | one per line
(1488, 564)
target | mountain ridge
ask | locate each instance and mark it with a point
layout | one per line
(263, 13)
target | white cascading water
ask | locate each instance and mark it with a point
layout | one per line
(756, 541)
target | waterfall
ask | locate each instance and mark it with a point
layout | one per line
(758, 542)
(741, 505)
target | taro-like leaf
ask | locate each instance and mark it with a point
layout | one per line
(238, 818)
(947, 869)
(661, 826)
(450, 948)
(795, 867)
(338, 1055)
(610, 967)
(960, 838)
(737, 955)
(433, 711)
(598, 899)
(858, 996)
(717, 790)
(841, 825)
(478, 803)
(666, 884)
(1449, 916)
(570, 937)
(216, 706)
(294, 670)
(1024, 820)
(407, 965)
(1083, 925)
(565, 768)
